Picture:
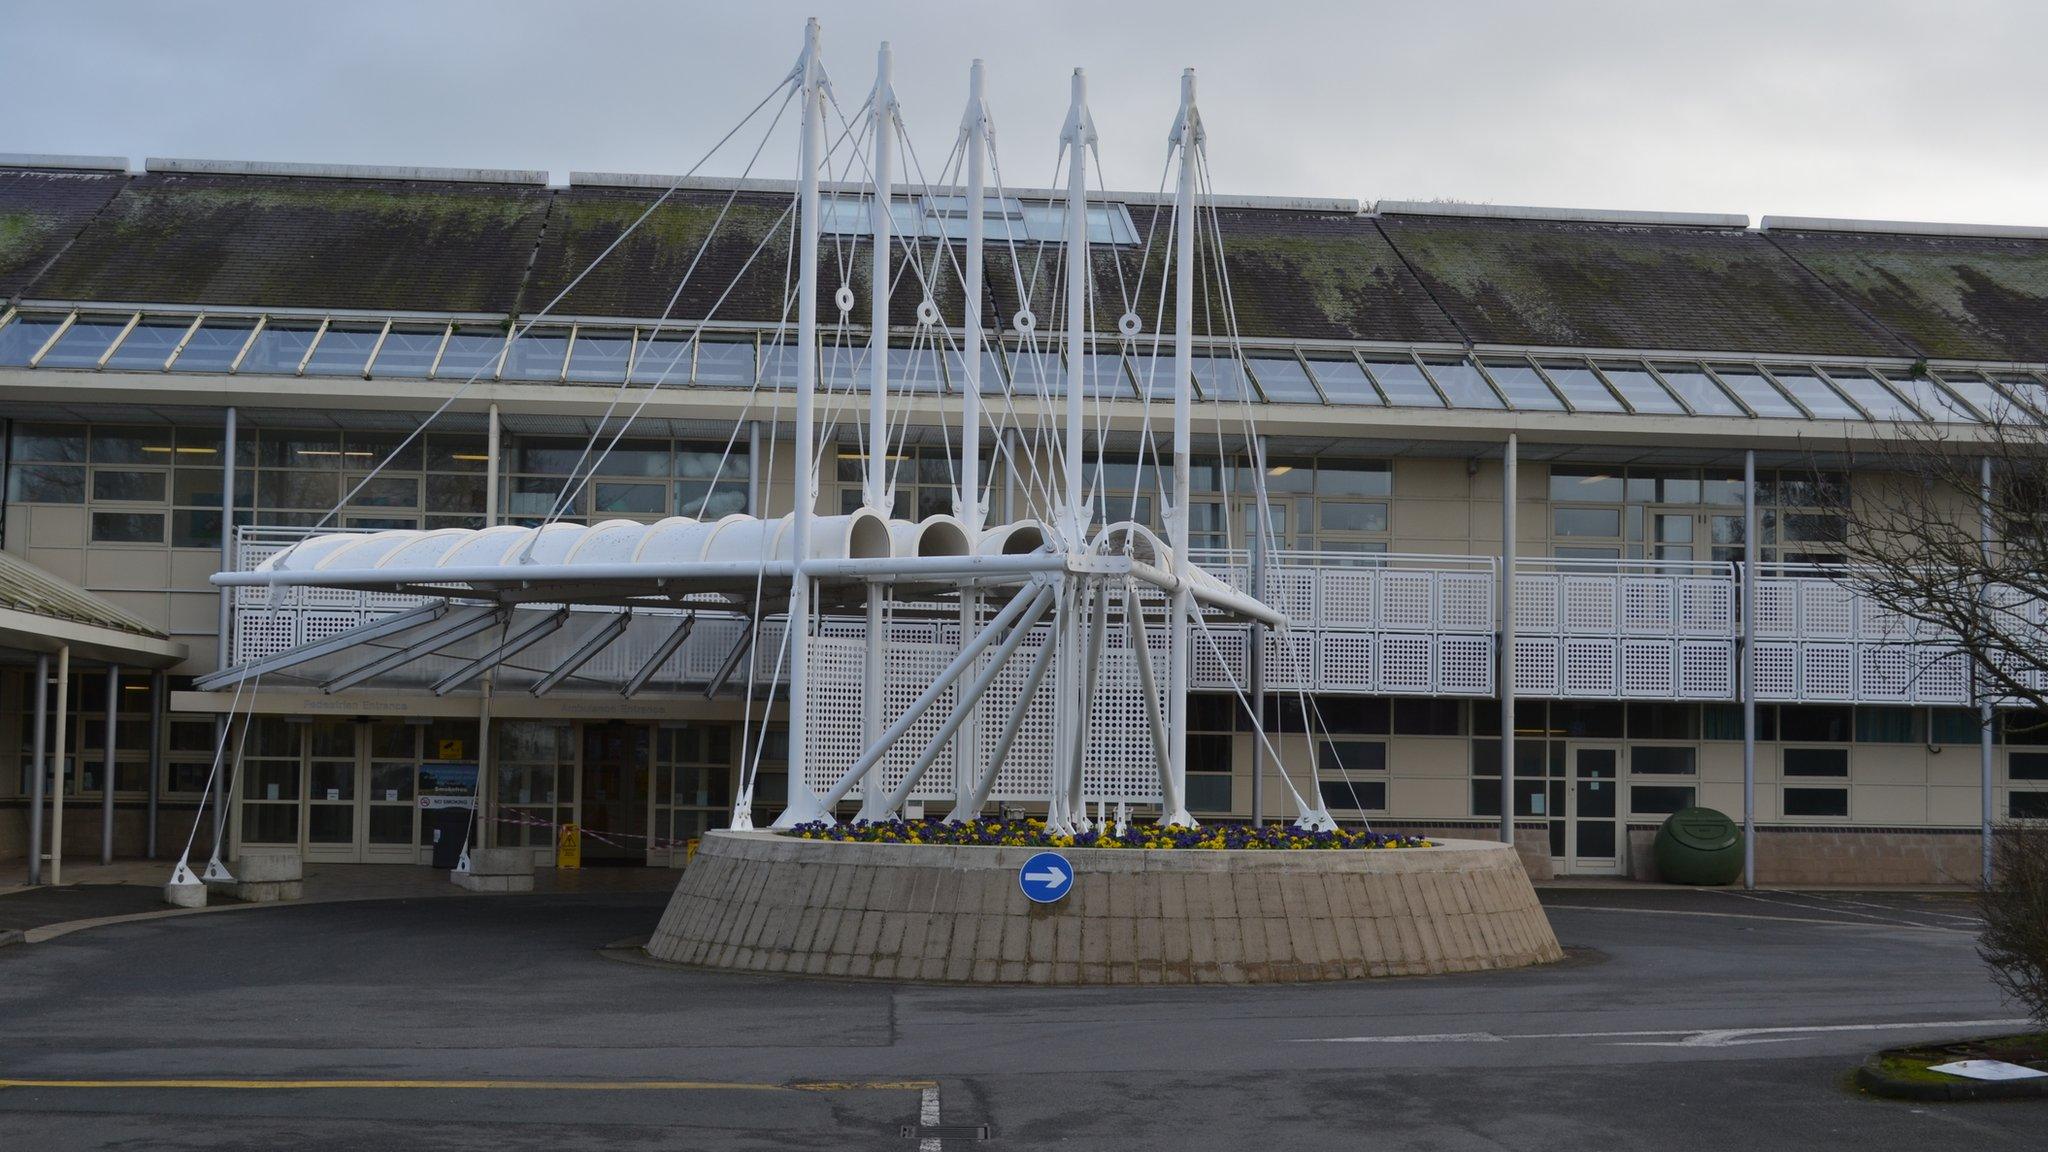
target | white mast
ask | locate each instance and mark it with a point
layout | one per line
(1078, 136)
(803, 804)
(967, 501)
(883, 120)
(1187, 133)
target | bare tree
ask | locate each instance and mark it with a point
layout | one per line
(1947, 528)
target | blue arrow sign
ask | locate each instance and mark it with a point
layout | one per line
(1046, 877)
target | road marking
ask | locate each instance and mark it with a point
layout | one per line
(928, 1116)
(493, 1085)
(1757, 916)
(1691, 1037)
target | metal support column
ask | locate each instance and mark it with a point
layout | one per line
(802, 804)
(1187, 135)
(1749, 554)
(156, 756)
(1986, 715)
(754, 466)
(107, 765)
(1509, 464)
(875, 488)
(493, 443)
(57, 744)
(38, 757)
(967, 504)
(227, 536)
(1255, 662)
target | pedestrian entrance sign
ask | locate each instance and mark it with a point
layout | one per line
(1046, 877)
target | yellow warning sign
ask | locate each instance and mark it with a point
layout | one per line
(449, 750)
(569, 847)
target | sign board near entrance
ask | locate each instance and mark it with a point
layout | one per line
(1046, 877)
(569, 847)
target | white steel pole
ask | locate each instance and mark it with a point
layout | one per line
(60, 747)
(493, 447)
(1510, 464)
(1187, 133)
(1077, 136)
(803, 804)
(1749, 554)
(967, 505)
(883, 124)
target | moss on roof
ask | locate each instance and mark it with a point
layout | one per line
(306, 242)
(1971, 298)
(639, 278)
(40, 211)
(1629, 286)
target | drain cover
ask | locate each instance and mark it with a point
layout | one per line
(946, 1131)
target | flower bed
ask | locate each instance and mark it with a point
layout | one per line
(1032, 834)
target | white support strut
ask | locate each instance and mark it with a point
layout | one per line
(1187, 135)
(883, 120)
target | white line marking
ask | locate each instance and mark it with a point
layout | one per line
(1757, 916)
(928, 1115)
(1691, 1037)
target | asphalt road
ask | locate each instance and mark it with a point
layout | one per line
(1684, 1020)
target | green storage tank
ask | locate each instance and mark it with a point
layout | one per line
(1699, 846)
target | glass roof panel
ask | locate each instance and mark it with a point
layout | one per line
(1816, 394)
(778, 364)
(1525, 388)
(1221, 377)
(1875, 398)
(83, 343)
(1038, 373)
(1698, 390)
(1582, 386)
(24, 336)
(664, 360)
(917, 370)
(599, 356)
(1462, 384)
(537, 355)
(1760, 394)
(991, 372)
(2026, 387)
(1104, 378)
(1344, 382)
(1992, 400)
(470, 352)
(1929, 397)
(344, 350)
(1404, 384)
(1641, 389)
(406, 352)
(1284, 380)
(278, 349)
(720, 363)
(146, 348)
(214, 346)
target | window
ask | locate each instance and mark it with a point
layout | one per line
(1428, 717)
(1210, 766)
(1354, 795)
(1660, 721)
(214, 346)
(407, 352)
(1699, 390)
(1756, 390)
(2027, 805)
(600, 356)
(924, 482)
(1816, 762)
(1339, 764)
(84, 342)
(344, 350)
(1581, 386)
(270, 780)
(1825, 723)
(1876, 725)
(1005, 219)
(1462, 384)
(1523, 385)
(24, 336)
(692, 782)
(1641, 389)
(1816, 802)
(1659, 799)
(1404, 384)
(1663, 760)
(537, 355)
(2026, 765)
(1816, 395)
(1284, 381)
(1343, 381)
(470, 353)
(146, 347)
(1599, 522)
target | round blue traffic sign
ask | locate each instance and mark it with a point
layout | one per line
(1046, 877)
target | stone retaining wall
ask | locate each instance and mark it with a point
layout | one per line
(761, 902)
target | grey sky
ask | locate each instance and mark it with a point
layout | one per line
(1874, 108)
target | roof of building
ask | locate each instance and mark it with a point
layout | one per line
(304, 242)
(40, 212)
(40, 612)
(277, 237)
(1594, 284)
(1945, 296)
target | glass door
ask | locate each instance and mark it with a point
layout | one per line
(1593, 814)
(614, 793)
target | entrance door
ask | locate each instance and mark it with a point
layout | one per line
(1593, 838)
(614, 793)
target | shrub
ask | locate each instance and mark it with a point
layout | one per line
(2014, 941)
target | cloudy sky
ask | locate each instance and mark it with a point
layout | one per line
(1872, 108)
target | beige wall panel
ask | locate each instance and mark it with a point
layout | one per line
(1721, 760)
(192, 567)
(1889, 764)
(56, 526)
(1957, 806)
(63, 563)
(1723, 797)
(1887, 804)
(1429, 756)
(127, 568)
(1958, 766)
(1419, 798)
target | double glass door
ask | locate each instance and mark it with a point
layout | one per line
(614, 801)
